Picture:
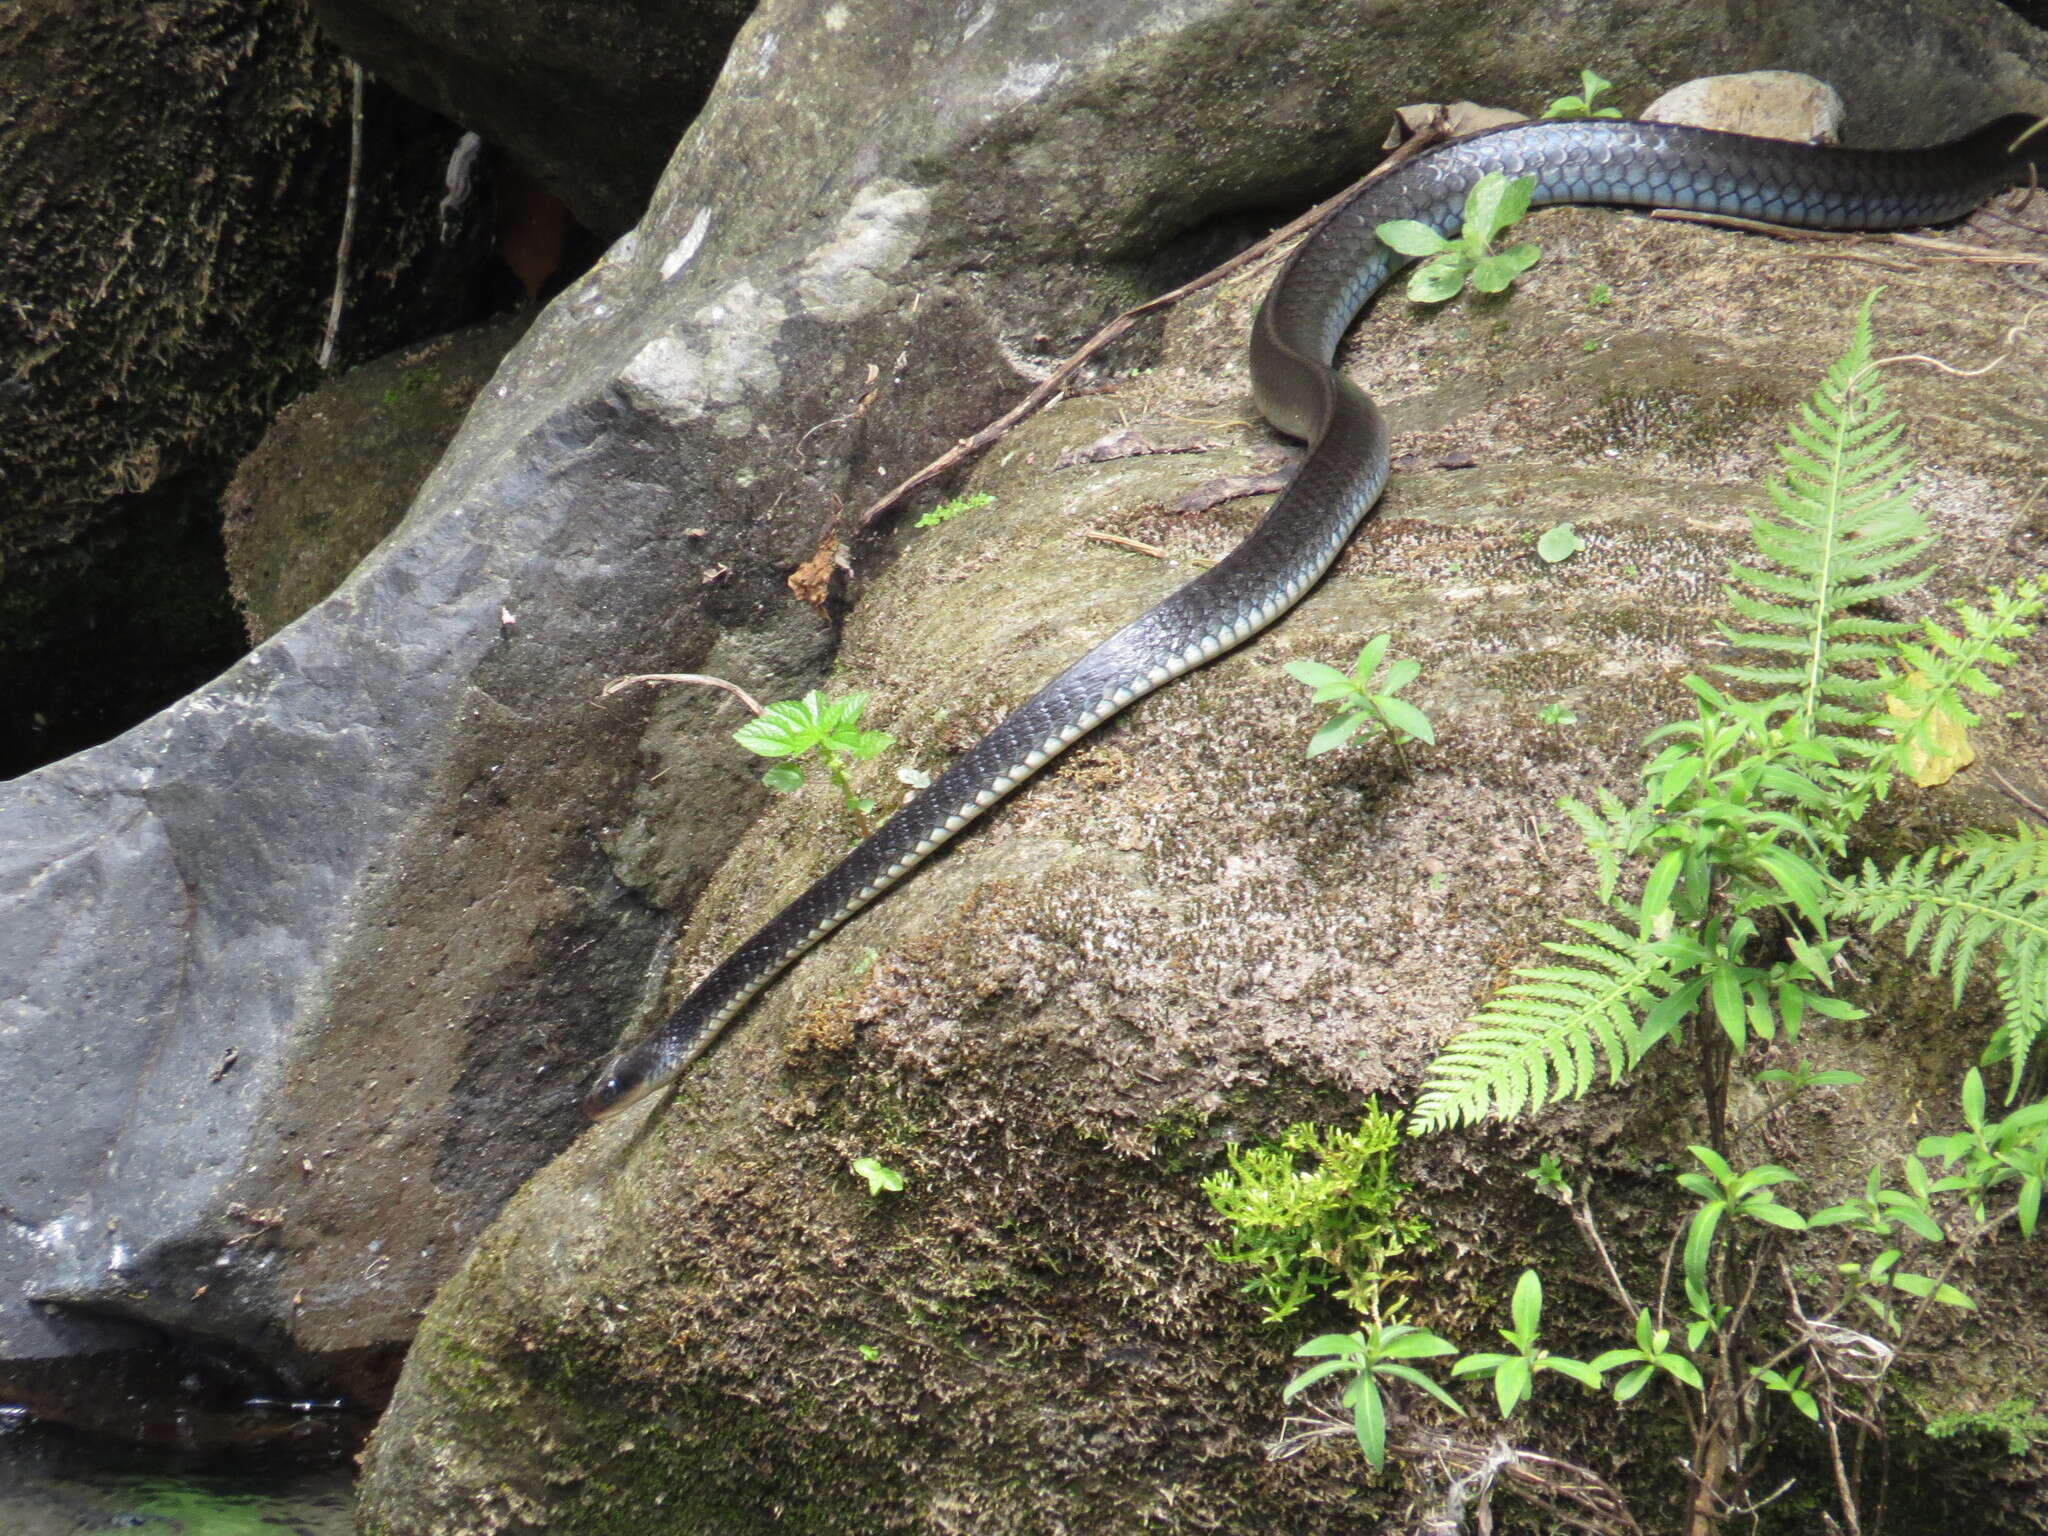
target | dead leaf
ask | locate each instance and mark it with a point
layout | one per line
(1944, 749)
(812, 581)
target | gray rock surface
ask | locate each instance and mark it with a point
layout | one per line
(299, 980)
(590, 95)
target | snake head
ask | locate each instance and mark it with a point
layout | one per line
(622, 1082)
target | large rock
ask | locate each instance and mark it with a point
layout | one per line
(173, 180)
(339, 467)
(589, 96)
(302, 976)
(698, 1319)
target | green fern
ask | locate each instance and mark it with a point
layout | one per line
(1534, 1042)
(1988, 889)
(1944, 666)
(1843, 535)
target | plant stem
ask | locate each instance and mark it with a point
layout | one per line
(838, 772)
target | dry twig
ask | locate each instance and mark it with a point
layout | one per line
(967, 447)
(620, 684)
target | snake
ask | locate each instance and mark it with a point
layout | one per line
(1328, 280)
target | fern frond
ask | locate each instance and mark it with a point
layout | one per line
(1840, 533)
(1945, 666)
(1542, 1037)
(1609, 832)
(1988, 890)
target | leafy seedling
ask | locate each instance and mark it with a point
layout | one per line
(946, 511)
(1493, 204)
(1367, 703)
(1591, 88)
(831, 729)
(1559, 544)
(1374, 1354)
(882, 1179)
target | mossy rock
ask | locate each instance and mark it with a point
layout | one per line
(1187, 935)
(339, 467)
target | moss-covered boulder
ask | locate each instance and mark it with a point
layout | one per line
(1189, 934)
(340, 466)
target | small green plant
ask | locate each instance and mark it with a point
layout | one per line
(1514, 1375)
(1591, 88)
(1557, 714)
(410, 383)
(882, 1179)
(1493, 204)
(946, 511)
(2013, 1420)
(830, 728)
(1378, 1352)
(1559, 544)
(1599, 296)
(1726, 889)
(868, 1352)
(1365, 699)
(1335, 1225)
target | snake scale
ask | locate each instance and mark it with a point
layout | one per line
(1337, 268)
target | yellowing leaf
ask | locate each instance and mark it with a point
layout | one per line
(1942, 746)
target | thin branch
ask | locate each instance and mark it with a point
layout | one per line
(1754, 226)
(348, 217)
(967, 447)
(620, 684)
(1123, 543)
(2025, 800)
(1960, 251)
(1582, 1218)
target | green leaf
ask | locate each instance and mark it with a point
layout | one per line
(1699, 1242)
(1403, 1343)
(1439, 280)
(1370, 655)
(1333, 1344)
(1775, 1215)
(1415, 1378)
(781, 730)
(946, 511)
(1683, 1369)
(1314, 1374)
(1411, 238)
(1406, 718)
(1724, 988)
(1493, 273)
(1584, 1374)
(1319, 675)
(783, 778)
(1511, 1385)
(1527, 1306)
(1400, 673)
(1558, 544)
(1369, 1416)
(881, 1178)
(1973, 1099)
(1337, 732)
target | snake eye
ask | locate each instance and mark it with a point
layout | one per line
(617, 1088)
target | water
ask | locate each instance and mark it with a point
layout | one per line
(53, 1483)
